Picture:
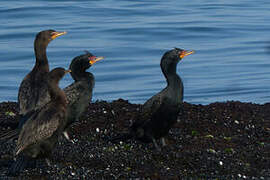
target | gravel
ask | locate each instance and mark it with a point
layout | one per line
(224, 140)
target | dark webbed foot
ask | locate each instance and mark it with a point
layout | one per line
(18, 166)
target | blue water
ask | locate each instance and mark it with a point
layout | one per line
(231, 39)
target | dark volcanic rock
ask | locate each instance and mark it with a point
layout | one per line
(228, 140)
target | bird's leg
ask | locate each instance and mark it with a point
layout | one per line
(67, 137)
(163, 142)
(155, 143)
(48, 162)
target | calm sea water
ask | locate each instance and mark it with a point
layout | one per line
(231, 39)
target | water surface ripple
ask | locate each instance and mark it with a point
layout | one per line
(230, 39)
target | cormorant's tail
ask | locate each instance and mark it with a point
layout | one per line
(18, 166)
(9, 135)
(13, 134)
(123, 137)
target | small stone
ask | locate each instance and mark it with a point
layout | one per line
(220, 163)
(10, 113)
(209, 136)
(211, 151)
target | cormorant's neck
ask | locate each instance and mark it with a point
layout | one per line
(57, 94)
(172, 78)
(82, 75)
(41, 56)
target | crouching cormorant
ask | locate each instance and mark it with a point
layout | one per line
(40, 132)
(79, 93)
(159, 113)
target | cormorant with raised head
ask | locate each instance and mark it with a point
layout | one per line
(33, 91)
(40, 132)
(79, 93)
(159, 113)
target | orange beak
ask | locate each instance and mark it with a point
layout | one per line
(185, 53)
(93, 60)
(57, 34)
(67, 71)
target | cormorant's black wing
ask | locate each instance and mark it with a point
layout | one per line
(154, 102)
(74, 92)
(33, 93)
(40, 127)
(24, 95)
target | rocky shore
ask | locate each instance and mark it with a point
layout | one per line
(226, 140)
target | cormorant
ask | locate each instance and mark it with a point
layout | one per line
(159, 113)
(40, 132)
(33, 91)
(79, 93)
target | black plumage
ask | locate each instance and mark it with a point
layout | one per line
(159, 113)
(33, 90)
(40, 132)
(79, 93)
